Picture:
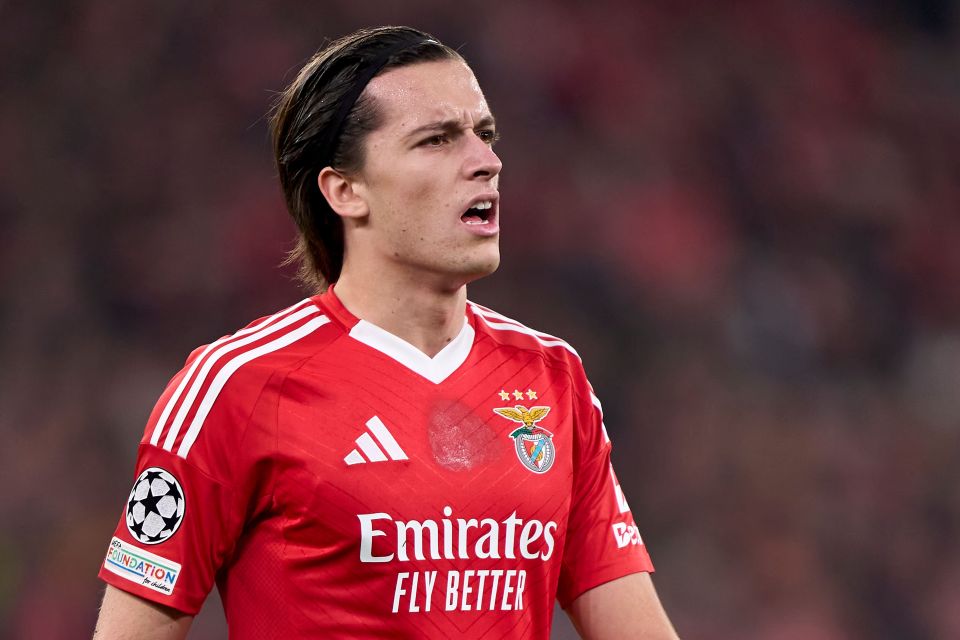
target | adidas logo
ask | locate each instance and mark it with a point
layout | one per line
(370, 448)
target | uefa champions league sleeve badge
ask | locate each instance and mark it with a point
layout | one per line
(533, 443)
(155, 507)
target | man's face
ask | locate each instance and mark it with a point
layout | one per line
(426, 170)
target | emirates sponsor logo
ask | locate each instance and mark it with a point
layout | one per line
(384, 539)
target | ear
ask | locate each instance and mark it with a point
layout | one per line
(339, 191)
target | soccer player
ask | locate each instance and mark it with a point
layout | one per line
(384, 458)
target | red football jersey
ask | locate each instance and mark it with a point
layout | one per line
(334, 481)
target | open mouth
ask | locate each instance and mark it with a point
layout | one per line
(480, 213)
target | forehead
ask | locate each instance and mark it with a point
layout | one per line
(425, 92)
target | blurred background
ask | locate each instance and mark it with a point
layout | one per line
(745, 216)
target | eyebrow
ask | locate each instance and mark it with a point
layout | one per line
(451, 125)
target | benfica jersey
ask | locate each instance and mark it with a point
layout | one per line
(335, 482)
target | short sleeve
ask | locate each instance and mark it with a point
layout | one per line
(184, 513)
(603, 542)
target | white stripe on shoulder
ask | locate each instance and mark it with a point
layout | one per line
(487, 311)
(266, 322)
(502, 323)
(596, 403)
(200, 380)
(231, 367)
(493, 315)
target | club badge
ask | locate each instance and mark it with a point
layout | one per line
(533, 443)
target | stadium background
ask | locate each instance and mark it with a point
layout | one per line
(746, 216)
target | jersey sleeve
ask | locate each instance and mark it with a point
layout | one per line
(603, 542)
(187, 505)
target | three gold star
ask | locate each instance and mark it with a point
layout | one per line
(517, 394)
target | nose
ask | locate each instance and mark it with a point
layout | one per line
(481, 161)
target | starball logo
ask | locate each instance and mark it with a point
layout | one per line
(384, 539)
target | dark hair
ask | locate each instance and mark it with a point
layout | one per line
(314, 126)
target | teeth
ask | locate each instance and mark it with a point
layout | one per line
(482, 205)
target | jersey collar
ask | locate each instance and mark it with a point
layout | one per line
(435, 369)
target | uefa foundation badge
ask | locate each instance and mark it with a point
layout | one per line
(533, 443)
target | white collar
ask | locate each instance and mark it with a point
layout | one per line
(435, 369)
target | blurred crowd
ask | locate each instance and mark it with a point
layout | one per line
(745, 216)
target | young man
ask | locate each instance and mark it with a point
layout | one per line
(383, 459)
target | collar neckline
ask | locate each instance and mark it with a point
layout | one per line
(435, 369)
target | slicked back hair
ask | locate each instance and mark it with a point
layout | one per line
(313, 126)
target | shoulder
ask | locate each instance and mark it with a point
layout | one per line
(266, 345)
(508, 332)
(555, 351)
(221, 382)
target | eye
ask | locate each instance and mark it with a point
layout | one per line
(488, 135)
(435, 141)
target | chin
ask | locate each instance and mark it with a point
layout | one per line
(488, 262)
(479, 267)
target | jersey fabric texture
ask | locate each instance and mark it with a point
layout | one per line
(336, 482)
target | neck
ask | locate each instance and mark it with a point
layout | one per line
(428, 317)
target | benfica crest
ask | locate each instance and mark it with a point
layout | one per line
(533, 443)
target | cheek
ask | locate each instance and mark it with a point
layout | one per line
(423, 206)
(413, 198)
(407, 195)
